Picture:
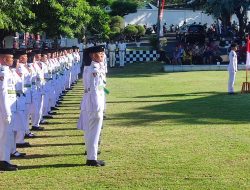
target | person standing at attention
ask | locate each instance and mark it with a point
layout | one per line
(232, 68)
(122, 51)
(112, 49)
(92, 106)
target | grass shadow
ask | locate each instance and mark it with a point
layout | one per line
(214, 108)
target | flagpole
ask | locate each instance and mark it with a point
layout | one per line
(248, 38)
(159, 24)
(246, 85)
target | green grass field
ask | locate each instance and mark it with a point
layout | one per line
(164, 131)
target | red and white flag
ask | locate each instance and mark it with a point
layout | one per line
(248, 53)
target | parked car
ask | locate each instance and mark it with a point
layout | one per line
(195, 33)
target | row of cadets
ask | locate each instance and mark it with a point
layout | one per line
(27, 90)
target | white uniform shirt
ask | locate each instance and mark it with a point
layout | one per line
(111, 47)
(5, 109)
(93, 100)
(122, 46)
(232, 67)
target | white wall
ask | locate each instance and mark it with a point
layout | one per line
(149, 17)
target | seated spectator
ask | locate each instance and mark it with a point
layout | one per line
(207, 54)
(187, 58)
(242, 53)
(175, 56)
(178, 55)
(197, 55)
(216, 57)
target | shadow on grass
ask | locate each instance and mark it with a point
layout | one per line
(145, 69)
(49, 166)
(36, 156)
(50, 123)
(55, 136)
(64, 144)
(61, 129)
(209, 108)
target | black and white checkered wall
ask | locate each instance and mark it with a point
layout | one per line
(133, 56)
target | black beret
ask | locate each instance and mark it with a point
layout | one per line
(233, 45)
(21, 52)
(17, 56)
(95, 49)
(37, 51)
(7, 51)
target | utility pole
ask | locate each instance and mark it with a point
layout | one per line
(159, 23)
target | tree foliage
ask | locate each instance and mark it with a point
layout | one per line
(117, 21)
(122, 7)
(99, 22)
(57, 18)
(141, 30)
(100, 3)
(224, 9)
(13, 13)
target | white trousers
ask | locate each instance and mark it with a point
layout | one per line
(122, 57)
(231, 81)
(92, 134)
(112, 59)
(37, 111)
(5, 139)
(13, 142)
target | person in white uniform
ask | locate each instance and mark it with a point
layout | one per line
(112, 49)
(18, 124)
(122, 51)
(232, 68)
(6, 60)
(92, 106)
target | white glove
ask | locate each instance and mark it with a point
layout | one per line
(8, 119)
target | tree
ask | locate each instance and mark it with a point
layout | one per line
(65, 18)
(99, 22)
(224, 9)
(141, 30)
(123, 7)
(100, 3)
(14, 12)
(130, 31)
(117, 21)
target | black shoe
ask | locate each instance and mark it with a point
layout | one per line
(23, 145)
(48, 117)
(95, 163)
(30, 135)
(5, 166)
(98, 152)
(44, 123)
(54, 108)
(52, 113)
(17, 155)
(37, 128)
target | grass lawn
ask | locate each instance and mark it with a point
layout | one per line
(163, 131)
